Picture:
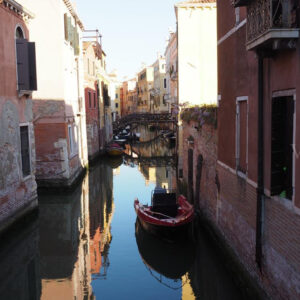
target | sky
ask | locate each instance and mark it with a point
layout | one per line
(133, 31)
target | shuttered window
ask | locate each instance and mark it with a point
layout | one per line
(26, 65)
(71, 34)
(90, 99)
(282, 147)
(25, 150)
(71, 140)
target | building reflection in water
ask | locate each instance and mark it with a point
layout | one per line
(19, 263)
(75, 236)
(64, 244)
(101, 209)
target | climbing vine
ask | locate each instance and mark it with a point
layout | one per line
(205, 114)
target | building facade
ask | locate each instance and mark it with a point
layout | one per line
(18, 190)
(92, 61)
(132, 96)
(159, 89)
(145, 84)
(258, 169)
(59, 110)
(197, 52)
(171, 55)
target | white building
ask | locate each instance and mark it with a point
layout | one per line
(197, 51)
(159, 85)
(59, 110)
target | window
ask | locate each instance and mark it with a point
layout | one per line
(19, 33)
(95, 103)
(117, 96)
(90, 99)
(242, 134)
(117, 105)
(165, 83)
(26, 62)
(71, 34)
(71, 141)
(25, 150)
(282, 147)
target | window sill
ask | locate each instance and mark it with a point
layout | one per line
(31, 176)
(241, 174)
(24, 93)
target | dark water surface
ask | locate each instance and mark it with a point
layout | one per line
(88, 245)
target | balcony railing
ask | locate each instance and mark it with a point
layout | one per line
(271, 20)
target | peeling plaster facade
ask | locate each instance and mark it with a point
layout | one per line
(18, 192)
(58, 105)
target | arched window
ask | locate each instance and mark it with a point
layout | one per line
(19, 33)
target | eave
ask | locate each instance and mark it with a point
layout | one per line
(18, 8)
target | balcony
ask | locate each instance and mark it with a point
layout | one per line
(272, 24)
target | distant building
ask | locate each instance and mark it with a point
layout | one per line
(171, 55)
(92, 54)
(132, 96)
(18, 190)
(159, 88)
(59, 110)
(145, 84)
(114, 85)
(105, 103)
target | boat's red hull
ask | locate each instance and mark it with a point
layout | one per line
(168, 227)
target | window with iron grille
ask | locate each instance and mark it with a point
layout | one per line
(25, 151)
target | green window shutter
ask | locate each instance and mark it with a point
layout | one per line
(66, 27)
(69, 29)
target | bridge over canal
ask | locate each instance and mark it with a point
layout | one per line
(144, 119)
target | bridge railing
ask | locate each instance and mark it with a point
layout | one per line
(143, 118)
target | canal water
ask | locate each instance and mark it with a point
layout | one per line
(87, 244)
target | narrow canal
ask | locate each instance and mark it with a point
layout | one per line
(87, 244)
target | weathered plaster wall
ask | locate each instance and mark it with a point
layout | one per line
(17, 194)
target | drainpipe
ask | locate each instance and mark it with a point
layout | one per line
(260, 161)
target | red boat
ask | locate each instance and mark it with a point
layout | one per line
(167, 216)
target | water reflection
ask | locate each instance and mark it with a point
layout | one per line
(19, 263)
(87, 245)
(171, 260)
(64, 244)
(101, 208)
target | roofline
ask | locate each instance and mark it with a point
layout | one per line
(19, 9)
(74, 13)
(189, 4)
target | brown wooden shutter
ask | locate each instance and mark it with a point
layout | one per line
(32, 67)
(22, 64)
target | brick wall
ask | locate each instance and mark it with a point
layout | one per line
(232, 208)
(205, 143)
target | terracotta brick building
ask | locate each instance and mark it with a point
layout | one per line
(258, 139)
(17, 144)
